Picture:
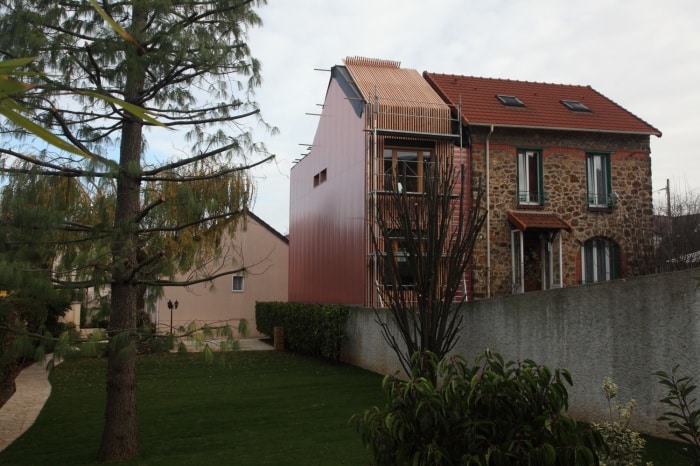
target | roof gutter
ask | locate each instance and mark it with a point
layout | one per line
(563, 128)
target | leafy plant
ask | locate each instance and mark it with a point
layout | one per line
(492, 413)
(625, 446)
(683, 418)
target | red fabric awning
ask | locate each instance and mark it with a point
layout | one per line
(525, 221)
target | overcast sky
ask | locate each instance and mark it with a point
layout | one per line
(642, 54)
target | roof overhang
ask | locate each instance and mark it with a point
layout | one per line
(562, 128)
(529, 221)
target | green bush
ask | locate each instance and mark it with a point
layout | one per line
(683, 418)
(492, 413)
(310, 329)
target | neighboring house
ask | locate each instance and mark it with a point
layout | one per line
(677, 241)
(263, 252)
(568, 179)
(379, 126)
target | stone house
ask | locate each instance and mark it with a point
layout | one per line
(567, 174)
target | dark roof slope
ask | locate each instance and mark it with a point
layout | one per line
(543, 107)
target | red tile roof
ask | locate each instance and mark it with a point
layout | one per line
(543, 107)
(538, 221)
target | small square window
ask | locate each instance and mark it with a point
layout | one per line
(316, 180)
(510, 100)
(237, 282)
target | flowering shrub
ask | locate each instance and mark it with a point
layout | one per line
(625, 446)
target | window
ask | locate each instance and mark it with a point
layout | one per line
(320, 177)
(510, 100)
(575, 106)
(600, 260)
(598, 180)
(530, 190)
(402, 259)
(403, 169)
(237, 282)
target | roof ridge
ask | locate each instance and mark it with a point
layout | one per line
(508, 80)
(364, 61)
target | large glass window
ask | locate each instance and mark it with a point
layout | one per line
(598, 180)
(600, 260)
(403, 261)
(403, 169)
(530, 178)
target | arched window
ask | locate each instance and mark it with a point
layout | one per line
(600, 260)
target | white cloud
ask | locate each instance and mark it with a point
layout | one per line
(645, 55)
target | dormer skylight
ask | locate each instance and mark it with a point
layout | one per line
(575, 106)
(509, 100)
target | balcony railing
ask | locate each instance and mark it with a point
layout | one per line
(532, 197)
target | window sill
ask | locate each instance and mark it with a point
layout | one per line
(600, 209)
(531, 207)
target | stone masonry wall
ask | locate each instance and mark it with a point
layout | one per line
(564, 178)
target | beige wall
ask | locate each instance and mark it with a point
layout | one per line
(266, 258)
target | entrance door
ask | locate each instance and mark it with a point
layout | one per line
(536, 259)
(534, 264)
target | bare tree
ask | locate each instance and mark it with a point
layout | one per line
(677, 230)
(427, 240)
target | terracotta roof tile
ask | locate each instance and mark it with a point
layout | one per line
(538, 221)
(543, 107)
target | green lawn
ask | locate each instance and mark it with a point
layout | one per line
(261, 408)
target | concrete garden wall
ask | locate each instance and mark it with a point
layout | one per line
(624, 329)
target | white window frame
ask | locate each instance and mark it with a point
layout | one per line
(602, 249)
(598, 187)
(524, 175)
(240, 276)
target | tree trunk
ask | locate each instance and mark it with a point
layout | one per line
(120, 434)
(119, 438)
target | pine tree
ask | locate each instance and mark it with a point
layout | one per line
(132, 216)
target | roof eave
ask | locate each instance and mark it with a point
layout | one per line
(563, 128)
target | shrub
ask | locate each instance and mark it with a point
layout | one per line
(492, 413)
(310, 329)
(625, 446)
(683, 418)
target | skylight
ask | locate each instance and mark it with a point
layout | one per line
(509, 100)
(575, 106)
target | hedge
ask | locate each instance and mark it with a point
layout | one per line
(311, 329)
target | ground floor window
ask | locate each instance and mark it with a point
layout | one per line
(600, 260)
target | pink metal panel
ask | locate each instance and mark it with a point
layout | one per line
(327, 218)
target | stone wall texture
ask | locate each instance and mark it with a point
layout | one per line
(629, 223)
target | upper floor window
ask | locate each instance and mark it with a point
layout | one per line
(530, 191)
(599, 192)
(600, 260)
(403, 169)
(237, 281)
